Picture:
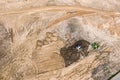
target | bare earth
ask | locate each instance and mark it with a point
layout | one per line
(32, 32)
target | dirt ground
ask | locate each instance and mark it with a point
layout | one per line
(32, 32)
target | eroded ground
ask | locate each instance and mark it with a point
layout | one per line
(32, 34)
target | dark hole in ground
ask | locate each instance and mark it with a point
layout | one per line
(74, 52)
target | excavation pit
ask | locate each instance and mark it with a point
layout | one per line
(74, 52)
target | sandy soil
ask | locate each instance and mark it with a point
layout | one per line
(32, 32)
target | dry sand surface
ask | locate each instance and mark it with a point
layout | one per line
(32, 32)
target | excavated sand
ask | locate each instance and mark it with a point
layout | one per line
(32, 32)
